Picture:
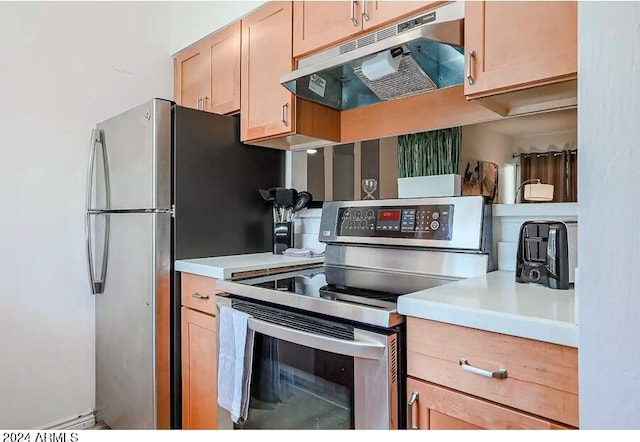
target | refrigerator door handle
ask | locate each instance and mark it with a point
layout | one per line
(97, 286)
(97, 138)
(90, 167)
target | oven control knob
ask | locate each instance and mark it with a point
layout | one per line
(358, 214)
(534, 275)
(363, 224)
(435, 215)
(369, 214)
(435, 225)
(347, 214)
(350, 225)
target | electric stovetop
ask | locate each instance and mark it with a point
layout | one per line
(364, 295)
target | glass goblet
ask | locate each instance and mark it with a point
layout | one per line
(369, 185)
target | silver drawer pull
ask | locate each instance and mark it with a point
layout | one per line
(353, 12)
(284, 114)
(412, 421)
(199, 296)
(471, 55)
(499, 374)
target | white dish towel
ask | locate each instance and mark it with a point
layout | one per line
(303, 253)
(234, 362)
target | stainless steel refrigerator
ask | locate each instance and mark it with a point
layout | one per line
(164, 182)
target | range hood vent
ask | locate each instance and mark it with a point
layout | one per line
(412, 57)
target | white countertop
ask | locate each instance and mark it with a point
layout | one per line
(496, 302)
(222, 267)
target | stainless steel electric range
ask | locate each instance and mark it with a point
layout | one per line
(329, 349)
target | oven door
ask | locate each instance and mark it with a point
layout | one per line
(309, 373)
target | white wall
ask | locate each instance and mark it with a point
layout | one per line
(480, 143)
(63, 67)
(543, 143)
(190, 21)
(609, 239)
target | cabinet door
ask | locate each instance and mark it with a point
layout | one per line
(266, 106)
(518, 44)
(390, 11)
(318, 24)
(438, 408)
(190, 77)
(199, 371)
(222, 94)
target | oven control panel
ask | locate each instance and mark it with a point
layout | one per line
(420, 222)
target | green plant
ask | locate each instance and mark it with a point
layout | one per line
(436, 152)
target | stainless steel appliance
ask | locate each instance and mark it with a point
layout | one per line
(547, 253)
(330, 349)
(164, 183)
(416, 55)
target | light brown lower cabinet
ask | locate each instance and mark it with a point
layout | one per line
(199, 371)
(439, 408)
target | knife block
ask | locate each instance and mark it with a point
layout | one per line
(282, 237)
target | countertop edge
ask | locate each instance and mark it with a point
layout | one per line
(200, 269)
(225, 270)
(514, 325)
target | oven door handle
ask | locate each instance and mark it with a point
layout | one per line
(356, 349)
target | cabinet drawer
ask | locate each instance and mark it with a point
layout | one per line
(198, 293)
(542, 378)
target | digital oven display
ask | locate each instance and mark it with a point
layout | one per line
(389, 215)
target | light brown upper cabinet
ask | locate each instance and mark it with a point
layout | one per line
(189, 79)
(516, 45)
(267, 108)
(207, 74)
(223, 85)
(318, 24)
(376, 13)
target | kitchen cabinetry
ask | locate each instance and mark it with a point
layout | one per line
(207, 75)
(270, 115)
(189, 84)
(267, 108)
(517, 45)
(319, 24)
(438, 408)
(534, 384)
(199, 356)
(376, 13)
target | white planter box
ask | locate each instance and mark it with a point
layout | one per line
(429, 186)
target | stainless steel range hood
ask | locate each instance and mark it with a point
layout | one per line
(411, 57)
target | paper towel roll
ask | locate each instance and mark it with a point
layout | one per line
(507, 183)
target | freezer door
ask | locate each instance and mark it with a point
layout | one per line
(132, 324)
(132, 160)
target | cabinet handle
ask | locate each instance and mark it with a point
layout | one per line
(499, 374)
(364, 10)
(204, 103)
(199, 296)
(412, 421)
(470, 78)
(353, 12)
(284, 114)
(199, 104)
